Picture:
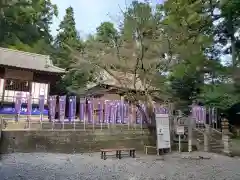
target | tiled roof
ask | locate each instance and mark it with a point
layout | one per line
(26, 60)
(119, 80)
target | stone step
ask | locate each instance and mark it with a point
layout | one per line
(216, 147)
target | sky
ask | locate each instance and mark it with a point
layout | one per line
(90, 13)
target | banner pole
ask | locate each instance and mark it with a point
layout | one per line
(74, 113)
(40, 124)
(52, 124)
(84, 123)
(100, 114)
(85, 116)
(74, 125)
(93, 115)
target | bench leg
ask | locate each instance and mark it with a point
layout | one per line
(119, 155)
(130, 153)
(101, 155)
(133, 153)
(104, 156)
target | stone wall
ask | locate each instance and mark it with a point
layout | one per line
(71, 141)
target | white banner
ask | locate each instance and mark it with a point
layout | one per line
(163, 131)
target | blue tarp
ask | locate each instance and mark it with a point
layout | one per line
(10, 110)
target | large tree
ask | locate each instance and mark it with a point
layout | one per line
(68, 37)
(25, 25)
(137, 53)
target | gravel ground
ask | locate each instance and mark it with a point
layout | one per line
(46, 166)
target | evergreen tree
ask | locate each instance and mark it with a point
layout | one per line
(66, 41)
(67, 37)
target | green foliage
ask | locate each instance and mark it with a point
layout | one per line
(106, 32)
(25, 24)
(67, 36)
(221, 96)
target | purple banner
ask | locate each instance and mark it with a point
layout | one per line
(90, 111)
(72, 108)
(145, 113)
(118, 113)
(126, 113)
(82, 108)
(106, 113)
(121, 113)
(199, 114)
(52, 107)
(62, 107)
(100, 112)
(110, 120)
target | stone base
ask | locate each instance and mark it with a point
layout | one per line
(227, 153)
(71, 141)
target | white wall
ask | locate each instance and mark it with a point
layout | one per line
(37, 90)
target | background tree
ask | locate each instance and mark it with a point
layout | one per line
(68, 36)
(26, 25)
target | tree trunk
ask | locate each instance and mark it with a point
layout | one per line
(149, 119)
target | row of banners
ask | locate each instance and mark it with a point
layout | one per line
(107, 112)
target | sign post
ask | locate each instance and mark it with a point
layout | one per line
(180, 131)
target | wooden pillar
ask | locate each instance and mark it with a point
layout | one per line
(3, 93)
(4, 87)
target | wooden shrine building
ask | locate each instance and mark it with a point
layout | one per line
(26, 73)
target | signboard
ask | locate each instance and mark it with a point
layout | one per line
(180, 130)
(163, 131)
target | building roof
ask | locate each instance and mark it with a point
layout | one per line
(26, 60)
(118, 79)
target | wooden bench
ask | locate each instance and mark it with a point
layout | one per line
(118, 152)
